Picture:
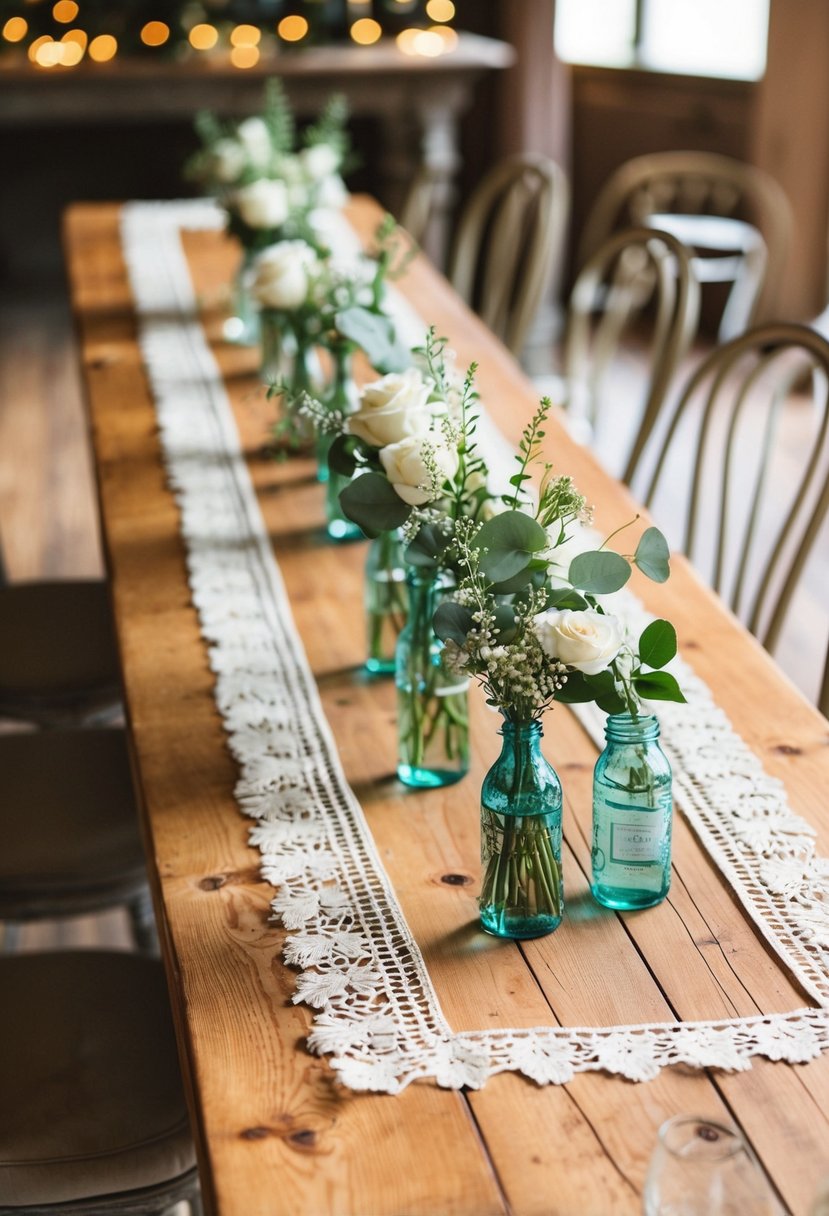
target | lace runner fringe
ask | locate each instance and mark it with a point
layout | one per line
(378, 1017)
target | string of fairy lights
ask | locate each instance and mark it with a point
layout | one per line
(61, 34)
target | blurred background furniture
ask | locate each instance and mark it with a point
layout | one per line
(69, 825)
(639, 280)
(751, 512)
(93, 1119)
(509, 238)
(706, 201)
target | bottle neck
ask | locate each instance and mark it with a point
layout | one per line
(624, 728)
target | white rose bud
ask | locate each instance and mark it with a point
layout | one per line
(393, 408)
(255, 138)
(407, 467)
(281, 274)
(319, 161)
(228, 159)
(262, 204)
(586, 640)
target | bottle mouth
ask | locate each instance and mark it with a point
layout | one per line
(626, 726)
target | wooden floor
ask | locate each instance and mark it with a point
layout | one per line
(48, 513)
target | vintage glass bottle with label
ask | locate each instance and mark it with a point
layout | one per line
(632, 807)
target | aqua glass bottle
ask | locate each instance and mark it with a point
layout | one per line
(242, 326)
(632, 809)
(386, 601)
(278, 347)
(341, 396)
(522, 892)
(432, 709)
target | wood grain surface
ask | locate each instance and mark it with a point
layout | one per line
(277, 1136)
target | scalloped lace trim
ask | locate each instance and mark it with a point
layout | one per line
(377, 1015)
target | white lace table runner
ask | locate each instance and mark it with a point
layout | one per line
(378, 1017)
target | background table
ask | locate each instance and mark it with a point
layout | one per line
(275, 1133)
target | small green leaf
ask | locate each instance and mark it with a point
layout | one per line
(452, 622)
(600, 572)
(427, 548)
(566, 597)
(652, 555)
(508, 542)
(658, 686)
(657, 644)
(370, 501)
(341, 455)
(375, 334)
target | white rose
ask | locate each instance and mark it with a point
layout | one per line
(228, 159)
(331, 193)
(406, 464)
(255, 138)
(393, 408)
(281, 274)
(319, 161)
(586, 640)
(262, 204)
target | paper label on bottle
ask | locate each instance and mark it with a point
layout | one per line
(637, 838)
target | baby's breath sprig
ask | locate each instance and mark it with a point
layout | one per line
(529, 451)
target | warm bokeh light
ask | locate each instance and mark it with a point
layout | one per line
(244, 56)
(71, 53)
(365, 31)
(440, 10)
(48, 54)
(448, 37)
(155, 33)
(245, 35)
(203, 37)
(103, 48)
(65, 11)
(422, 42)
(79, 37)
(292, 29)
(15, 29)
(35, 46)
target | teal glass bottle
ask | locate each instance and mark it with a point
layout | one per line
(341, 396)
(386, 601)
(242, 326)
(522, 892)
(632, 809)
(432, 709)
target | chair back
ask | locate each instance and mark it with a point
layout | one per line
(752, 424)
(691, 184)
(635, 274)
(508, 240)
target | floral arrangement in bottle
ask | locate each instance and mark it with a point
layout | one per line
(531, 636)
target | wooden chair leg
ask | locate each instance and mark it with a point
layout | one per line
(142, 921)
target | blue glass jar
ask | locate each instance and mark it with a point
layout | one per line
(386, 601)
(341, 396)
(432, 708)
(522, 892)
(242, 326)
(632, 811)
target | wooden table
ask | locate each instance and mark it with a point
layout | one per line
(275, 1133)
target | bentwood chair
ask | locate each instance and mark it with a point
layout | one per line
(93, 1119)
(735, 216)
(757, 444)
(58, 655)
(639, 286)
(508, 241)
(71, 845)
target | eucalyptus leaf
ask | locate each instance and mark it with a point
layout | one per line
(427, 548)
(375, 334)
(452, 622)
(370, 501)
(576, 690)
(600, 572)
(504, 624)
(519, 582)
(657, 644)
(658, 686)
(341, 455)
(652, 555)
(507, 543)
(566, 597)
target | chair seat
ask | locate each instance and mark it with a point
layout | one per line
(57, 649)
(92, 1097)
(68, 822)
